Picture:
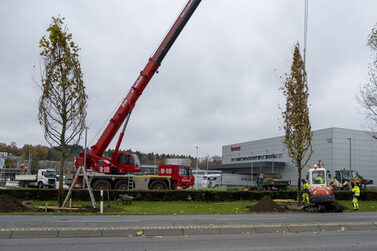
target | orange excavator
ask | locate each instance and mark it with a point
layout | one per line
(321, 196)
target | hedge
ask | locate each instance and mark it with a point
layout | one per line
(174, 195)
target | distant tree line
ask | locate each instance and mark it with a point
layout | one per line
(40, 152)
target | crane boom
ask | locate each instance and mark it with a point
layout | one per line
(142, 81)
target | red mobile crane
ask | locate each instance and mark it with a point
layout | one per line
(116, 171)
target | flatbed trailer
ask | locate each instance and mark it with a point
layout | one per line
(273, 185)
(124, 182)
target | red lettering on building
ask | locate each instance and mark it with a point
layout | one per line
(235, 148)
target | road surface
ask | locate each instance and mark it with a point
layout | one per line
(332, 231)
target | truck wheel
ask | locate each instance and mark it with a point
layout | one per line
(123, 185)
(101, 185)
(40, 184)
(158, 185)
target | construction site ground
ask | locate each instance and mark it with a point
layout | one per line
(10, 205)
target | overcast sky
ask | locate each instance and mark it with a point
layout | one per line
(219, 83)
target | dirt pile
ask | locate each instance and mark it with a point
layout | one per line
(266, 204)
(9, 204)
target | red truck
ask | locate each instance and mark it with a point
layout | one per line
(119, 172)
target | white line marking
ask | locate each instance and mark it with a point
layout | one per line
(93, 221)
(232, 219)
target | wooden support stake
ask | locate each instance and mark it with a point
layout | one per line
(89, 188)
(71, 187)
(74, 183)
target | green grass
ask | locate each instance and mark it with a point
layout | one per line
(164, 207)
(365, 206)
(180, 207)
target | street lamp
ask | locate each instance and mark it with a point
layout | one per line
(350, 153)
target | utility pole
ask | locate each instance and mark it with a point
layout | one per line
(306, 13)
(84, 169)
(29, 163)
(155, 168)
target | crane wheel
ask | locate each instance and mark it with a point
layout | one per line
(101, 185)
(122, 185)
(158, 185)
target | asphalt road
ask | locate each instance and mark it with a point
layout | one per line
(309, 231)
(95, 221)
(359, 240)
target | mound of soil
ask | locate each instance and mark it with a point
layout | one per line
(9, 204)
(266, 204)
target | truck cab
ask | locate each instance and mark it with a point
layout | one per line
(181, 175)
(126, 161)
(212, 180)
(46, 178)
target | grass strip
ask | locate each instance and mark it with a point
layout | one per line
(176, 207)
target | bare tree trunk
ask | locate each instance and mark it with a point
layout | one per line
(61, 173)
(298, 185)
(299, 169)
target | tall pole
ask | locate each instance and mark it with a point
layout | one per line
(197, 151)
(251, 174)
(207, 163)
(84, 169)
(350, 153)
(29, 163)
(305, 29)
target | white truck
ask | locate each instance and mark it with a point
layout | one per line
(230, 180)
(217, 179)
(44, 178)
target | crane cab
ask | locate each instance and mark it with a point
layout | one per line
(126, 162)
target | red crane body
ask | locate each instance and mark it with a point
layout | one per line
(123, 162)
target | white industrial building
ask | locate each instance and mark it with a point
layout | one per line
(337, 148)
